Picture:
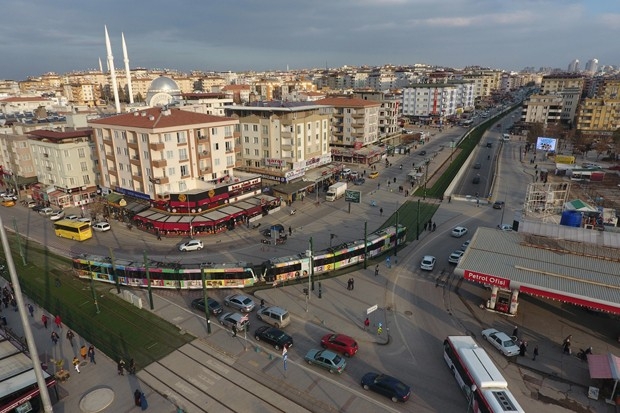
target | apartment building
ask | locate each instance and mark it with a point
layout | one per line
(388, 112)
(542, 109)
(354, 121)
(16, 164)
(23, 104)
(86, 94)
(556, 83)
(485, 82)
(158, 151)
(601, 114)
(65, 166)
(282, 141)
(433, 102)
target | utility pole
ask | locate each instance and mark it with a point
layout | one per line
(148, 281)
(311, 266)
(417, 223)
(203, 273)
(116, 280)
(365, 244)
(396, 242)
(19, 242)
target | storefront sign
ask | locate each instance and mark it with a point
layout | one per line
(487, 279)
(244, 184)
(273, 162)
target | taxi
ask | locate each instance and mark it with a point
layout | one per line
(373, 175)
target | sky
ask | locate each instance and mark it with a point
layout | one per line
(40, 36)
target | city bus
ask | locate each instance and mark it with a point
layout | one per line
(75, 230)
(484, 386)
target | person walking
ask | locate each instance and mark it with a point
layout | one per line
(352, 283)
(132, 367)
(425, 226)
(44, 320)
(58, 322)
(377, 270)
(379, 329)
(54, 337)
(523, 348)
(515, 332)
(120, 367)
(387, 262)
(380, 212)
(31, 310)
(349, 284)
(535, 352)
(76, 364)
(83, 352)
(70, 336)
(234, 330)
(290, 231)
(434, 226)
(566, 349)
(91, 354)
(366, 323)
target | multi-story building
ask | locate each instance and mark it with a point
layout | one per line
(435, 101)
(281, 142)
(87, 94)
(65, 166)
(14, 105)
(544, 109)
(601, 114)
(485, 82)
(16, 165)
(388, 113)
(207, 103)
(355, 121)
(158, 151)
(556, 83)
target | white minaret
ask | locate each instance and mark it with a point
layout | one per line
(100, 66)
(112, 73)
(127, 72)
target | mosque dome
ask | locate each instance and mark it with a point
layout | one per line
(162, 91)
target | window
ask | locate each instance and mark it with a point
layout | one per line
(216, 146)
(169, 154)
(167, 137)
(256, 152)
(171, 171)
(69, 167)
(216, 162)
(255, 128)
(145, 155)
(184, 170)
(227, 131)
(213, 131)
(83, 166)
(86, 179)
(246, 127)
(246, 151)
(265, 141)
(183, 154)
(246, 139)
(229, 161)
(144, 137)
(255, 140)
(228, 146)
(265, 130)
(265, 154)
(181, 137)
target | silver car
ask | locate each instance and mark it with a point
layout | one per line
(241, 302)
(501, 341)
(235, 319)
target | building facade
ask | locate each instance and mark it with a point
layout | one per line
(354, 121)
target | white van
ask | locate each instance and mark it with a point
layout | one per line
(276, 316)
(505, 137)
(346, 172)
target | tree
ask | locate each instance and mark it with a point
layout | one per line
(535, 130)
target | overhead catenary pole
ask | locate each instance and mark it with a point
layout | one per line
(203, 275)
(19, 242)
(116, 280)
(396, 242)
(365, 244)
(148, 281)
(21, 307)
(417, 223)
(311, 267)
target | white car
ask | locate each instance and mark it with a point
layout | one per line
(102, 227)
(46, 211)
(501, 341)
(85, 219)
(458, 232)
(505, 227)
(455, 257)
(428, 263)
(192, 245)
(465, 245)
(72, 217)
(56, 215)
(241, 302)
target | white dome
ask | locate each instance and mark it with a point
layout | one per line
(162, 91)
(163, 84)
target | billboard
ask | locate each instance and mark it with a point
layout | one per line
(546, 144)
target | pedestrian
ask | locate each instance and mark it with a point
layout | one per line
(54, 337)
(143, 404)
(523, 348)
(158, 235)
(76, 364)
(380, 212)
(91, 354)
(379, 329)
(290, 231)
(377, 270)
(535, 352)
(366, 324)
(234, 330)
(83, 352)
(349, 284)
(120, 367)
(387, 262)
(394, 179)
(430, 224)
(70, 336)
(136, 397)
(132, 366)
(566, 348)
(352, 283)
(44, 320)
(31, 310)
(515, 332)
(58, 322)
(262, 303)
(434, 226)
(425, 226)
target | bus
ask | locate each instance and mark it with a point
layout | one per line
(75, 230)
(484, 386)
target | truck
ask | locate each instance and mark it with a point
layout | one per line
(336, 191)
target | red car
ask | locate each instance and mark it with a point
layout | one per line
(614, 168)
(340, 343)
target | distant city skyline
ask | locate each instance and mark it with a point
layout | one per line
(273, 35)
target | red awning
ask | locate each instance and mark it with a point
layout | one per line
(558, 296)
(604, 366)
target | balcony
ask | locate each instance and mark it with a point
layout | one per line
(159, 163)
(238, 148)
(159, 146)
(230, 136)
(204, 154)
(229, 150)
(203, 138)
(110, 156)
(137, 176)
(205, 170)
(135, 160)
(236, 134)
(358, 115)
(238, 163)
(133, 144)
(160, 180)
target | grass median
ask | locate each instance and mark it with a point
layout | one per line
(114, 326)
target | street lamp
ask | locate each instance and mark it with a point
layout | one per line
(205, 296)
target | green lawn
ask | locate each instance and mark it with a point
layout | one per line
(119, 329)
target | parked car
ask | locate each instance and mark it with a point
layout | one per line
(37, 208)
(498, 204)
(241, 302)
(46, 211)
(428, 263)
(191, 245)
(56, 215)
(275, 316)
(501, 341)
(72, 217)
(31, 204)
(340, 343)
(274, 336)
(215, 307)
(235, 319)
(85, 219)
(455, 257)
(102, 227)
(465, 245)
(386, 385)
(326, 359)
(458, 232)
(279, 228)
(505, 227)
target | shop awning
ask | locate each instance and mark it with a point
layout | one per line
(114, 198)
(604, 366)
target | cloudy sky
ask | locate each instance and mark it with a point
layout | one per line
(38, 36)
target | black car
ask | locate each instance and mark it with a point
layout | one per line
(37, 208)
(476, 179)
(278, 228)
(215, 308)
(359, 181)
(477, 165)
(422, 153)
(387, 386)
(274, 336)
(498, 204)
